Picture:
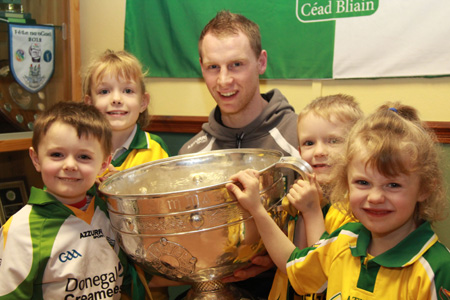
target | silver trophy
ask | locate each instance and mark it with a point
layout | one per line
(175, 218)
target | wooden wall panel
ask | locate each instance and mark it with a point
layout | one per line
(186, 124)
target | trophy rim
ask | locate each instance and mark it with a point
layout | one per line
(116, 176)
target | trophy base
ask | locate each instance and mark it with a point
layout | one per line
(216, 290)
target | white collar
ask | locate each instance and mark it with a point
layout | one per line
(125, 146)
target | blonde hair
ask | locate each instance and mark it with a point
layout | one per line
(86, 119)
(122, 64)
(342, 107)
(226, 23)
(395, 142)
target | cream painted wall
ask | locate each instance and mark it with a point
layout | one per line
(102, 27)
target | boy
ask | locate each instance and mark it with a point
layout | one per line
(61, 245)
(322, 128)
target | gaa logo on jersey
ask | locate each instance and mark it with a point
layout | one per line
(69, 255)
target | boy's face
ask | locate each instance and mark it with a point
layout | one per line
(119, 100)
(319, 142)
(231, 72)
(69, 165)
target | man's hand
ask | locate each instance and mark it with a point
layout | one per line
(259, 264)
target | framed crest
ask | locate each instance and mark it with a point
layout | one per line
(13, 196)
(32, 55)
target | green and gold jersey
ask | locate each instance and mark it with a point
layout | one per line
(145, 147)
(417, 268)
(334, 218)
(52, 251)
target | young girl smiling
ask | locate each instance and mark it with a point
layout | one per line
(393, 185)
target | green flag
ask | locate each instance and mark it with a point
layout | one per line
(304, 39)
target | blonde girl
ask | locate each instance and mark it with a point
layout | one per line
(393, 185)
(114, 83)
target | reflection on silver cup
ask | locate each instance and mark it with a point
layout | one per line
(175, 218)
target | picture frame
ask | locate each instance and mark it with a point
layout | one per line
(13, 196)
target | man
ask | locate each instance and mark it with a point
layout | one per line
(231, 58)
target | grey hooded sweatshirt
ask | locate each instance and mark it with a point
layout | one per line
(275, 129)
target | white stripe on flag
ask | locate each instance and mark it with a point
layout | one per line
(402, 38)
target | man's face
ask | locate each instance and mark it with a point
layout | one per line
(231, 72)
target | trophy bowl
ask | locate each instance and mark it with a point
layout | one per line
(175, 218)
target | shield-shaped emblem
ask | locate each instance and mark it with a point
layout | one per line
(32, 55)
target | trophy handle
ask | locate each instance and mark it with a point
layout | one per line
(300, 166)
(279, 212)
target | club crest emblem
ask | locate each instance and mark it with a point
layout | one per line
(31, 55)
